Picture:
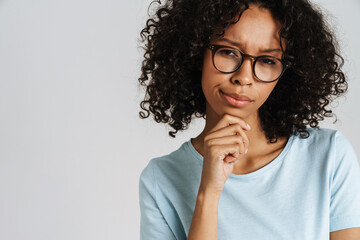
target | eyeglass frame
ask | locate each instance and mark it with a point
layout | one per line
(215, 47)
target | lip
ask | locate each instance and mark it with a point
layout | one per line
(236, 100)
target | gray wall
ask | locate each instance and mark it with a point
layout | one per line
(71, 143)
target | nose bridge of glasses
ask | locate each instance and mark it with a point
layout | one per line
(245, 69)
(251, 57)
(245, 56)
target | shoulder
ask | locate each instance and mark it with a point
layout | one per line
(155, 169)
(331, 146)
(322, 134)
(326, 147)
(173, 164)
(177, 157)
(324, 138)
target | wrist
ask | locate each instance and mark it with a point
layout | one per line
(208, 195)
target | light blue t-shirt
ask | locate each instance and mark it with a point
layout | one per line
(312, 188)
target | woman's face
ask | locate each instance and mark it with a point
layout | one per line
(256, 33)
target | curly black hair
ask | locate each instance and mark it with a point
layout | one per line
(175, 39)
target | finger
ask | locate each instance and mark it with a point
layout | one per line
(233, 130)
(221, 152)
(245, 141)
(227, 140)
(228, 120)
(230, 159)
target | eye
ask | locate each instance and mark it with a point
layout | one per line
(268, 61)
(227, 52)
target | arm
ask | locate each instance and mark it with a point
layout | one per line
(152, 222)
(223, 145)
(204, 224)
(348, 234)
(344, 189)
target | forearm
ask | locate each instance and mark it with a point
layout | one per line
(204, 224)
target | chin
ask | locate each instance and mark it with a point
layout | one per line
(220, 110)
(240, 113)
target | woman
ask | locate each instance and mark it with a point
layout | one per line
(259, 72)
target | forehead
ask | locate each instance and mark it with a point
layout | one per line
(256, 29)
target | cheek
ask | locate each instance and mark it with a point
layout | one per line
(206, 84)
(266, 90)
(210, 76)
(206, 60)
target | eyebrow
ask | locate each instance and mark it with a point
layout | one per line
(267, 50)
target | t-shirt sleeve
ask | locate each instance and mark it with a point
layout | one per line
(152, 222)
(344, 186)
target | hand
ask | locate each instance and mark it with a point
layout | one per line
(224, 145)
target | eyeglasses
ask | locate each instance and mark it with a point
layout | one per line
(265, 68)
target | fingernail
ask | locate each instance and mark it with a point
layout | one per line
(248, 126)
(246, 150)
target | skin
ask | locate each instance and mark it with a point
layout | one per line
(232, 141)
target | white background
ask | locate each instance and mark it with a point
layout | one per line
(71, 143)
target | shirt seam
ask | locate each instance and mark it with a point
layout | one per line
(332, 167)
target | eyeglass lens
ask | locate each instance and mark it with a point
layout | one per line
(266, 68)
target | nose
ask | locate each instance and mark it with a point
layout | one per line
(244, 75)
